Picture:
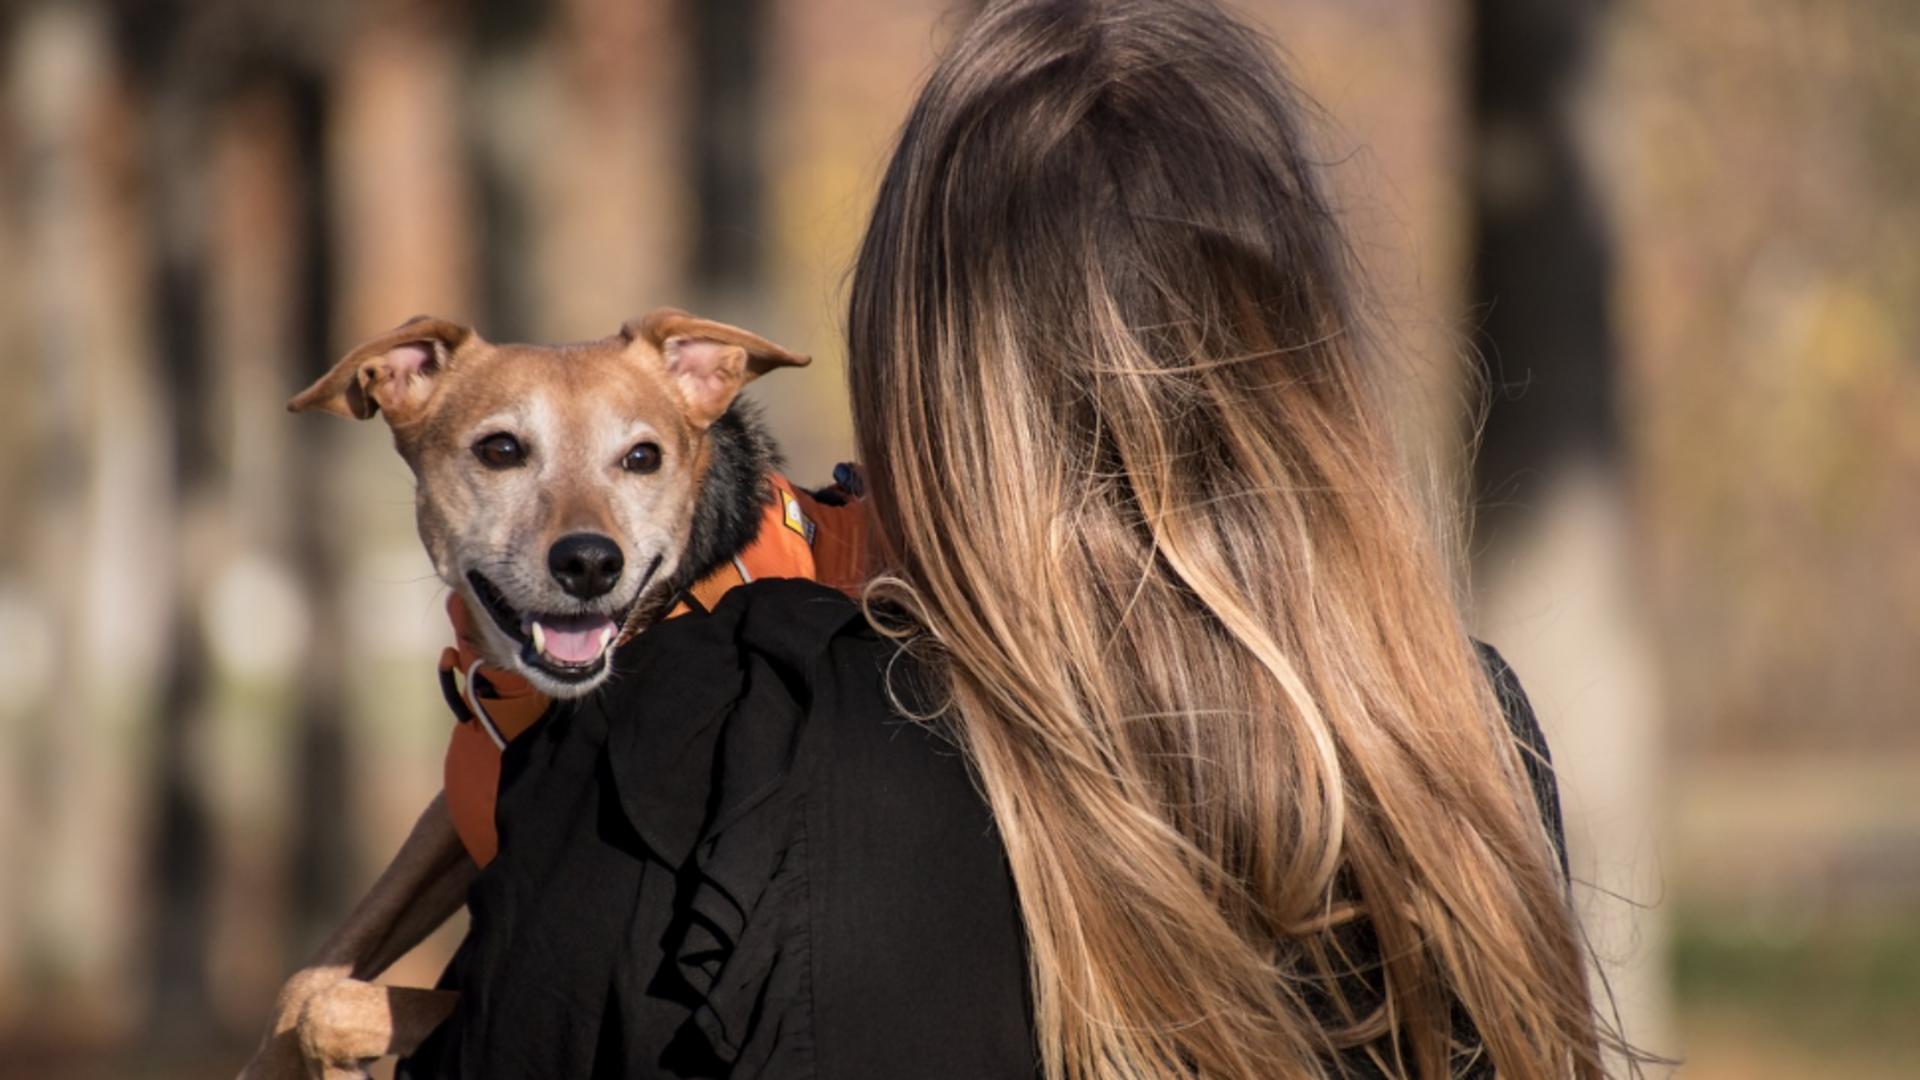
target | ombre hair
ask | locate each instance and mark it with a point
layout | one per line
(1130, 473)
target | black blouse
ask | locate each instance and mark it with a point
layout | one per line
(738, 859)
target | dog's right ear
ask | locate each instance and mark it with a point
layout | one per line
(393, 372)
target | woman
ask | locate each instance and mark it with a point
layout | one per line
(1159, 749)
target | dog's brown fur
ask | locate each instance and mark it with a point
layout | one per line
(576, 410)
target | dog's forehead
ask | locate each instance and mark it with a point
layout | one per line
(576, 381)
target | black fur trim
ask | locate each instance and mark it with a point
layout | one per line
(727, 515)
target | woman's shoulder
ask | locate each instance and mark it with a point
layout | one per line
(847, 716)
(775, 748)
(919, 951)
(1534, 753)
(796, 662)
(784, 674)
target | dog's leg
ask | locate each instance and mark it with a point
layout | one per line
(421, 888)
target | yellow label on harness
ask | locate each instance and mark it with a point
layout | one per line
(796, 519)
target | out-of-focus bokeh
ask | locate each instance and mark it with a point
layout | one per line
(1681, 241)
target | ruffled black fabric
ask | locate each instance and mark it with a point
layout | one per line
(738, 861)
(705, 776)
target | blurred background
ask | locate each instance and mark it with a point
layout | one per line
(1681, 243)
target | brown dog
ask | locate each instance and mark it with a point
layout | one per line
(566, 493)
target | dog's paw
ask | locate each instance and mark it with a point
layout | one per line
(279, 1056)
(350, 1024)
(345, 1024)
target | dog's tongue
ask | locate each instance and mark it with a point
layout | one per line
(573, 639)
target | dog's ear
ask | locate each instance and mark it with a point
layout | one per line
(393, 372)
(707, 361)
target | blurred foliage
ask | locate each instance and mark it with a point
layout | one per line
(1836, 998)
(1766, 166)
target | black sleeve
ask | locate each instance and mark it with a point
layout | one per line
(1533, 744)
(919, 959)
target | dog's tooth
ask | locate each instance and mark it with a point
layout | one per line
(605, 636)
(539, 638)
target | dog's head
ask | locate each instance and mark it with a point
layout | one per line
(556, 486)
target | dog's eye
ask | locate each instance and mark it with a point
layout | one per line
(643, 458)
(500, 451)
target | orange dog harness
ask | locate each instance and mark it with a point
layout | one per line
(800, 536)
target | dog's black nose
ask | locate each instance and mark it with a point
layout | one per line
(585, 564)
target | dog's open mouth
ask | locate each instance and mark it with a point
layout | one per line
(570, 647)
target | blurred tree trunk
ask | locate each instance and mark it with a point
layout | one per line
(1542, 265)
(259, 302)
(726, 133)
(178, 847)
(23, 622)
(167, 80)
(100, 561)
(572, 251)
(505, 41)
(323, 810)
(1558, 570)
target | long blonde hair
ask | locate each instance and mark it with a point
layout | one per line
(1258, 798)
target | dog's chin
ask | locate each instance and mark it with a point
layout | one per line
(574, 685)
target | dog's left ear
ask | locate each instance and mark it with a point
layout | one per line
(394, 371)
(708, 361)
